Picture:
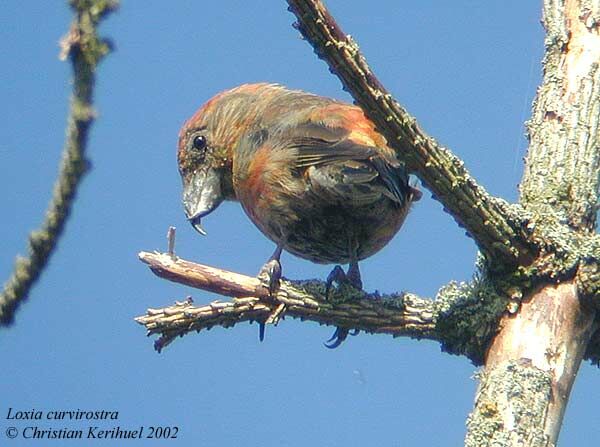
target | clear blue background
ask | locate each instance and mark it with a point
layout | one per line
(467, 70)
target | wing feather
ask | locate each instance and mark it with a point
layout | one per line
(323, 147)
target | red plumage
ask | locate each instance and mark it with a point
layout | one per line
(311, 172)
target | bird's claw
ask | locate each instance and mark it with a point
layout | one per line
(339, 336)
(273, 318)
(352, 277)
(270, 274)
(338, 276)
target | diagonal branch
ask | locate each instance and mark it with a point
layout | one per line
(396, 314)
(85, 50)
(495, 226)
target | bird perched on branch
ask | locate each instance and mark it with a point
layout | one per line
(311, 173)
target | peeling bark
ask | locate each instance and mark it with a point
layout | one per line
(563, 160)
(396, 314)
(530, 369)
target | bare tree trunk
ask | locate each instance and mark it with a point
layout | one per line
(533, 361)
(530, 369)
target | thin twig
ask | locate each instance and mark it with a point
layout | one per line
(85, 50)
(171, 241)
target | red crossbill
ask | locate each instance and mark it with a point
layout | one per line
(311, 173)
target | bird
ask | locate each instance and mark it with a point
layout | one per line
(311, 173)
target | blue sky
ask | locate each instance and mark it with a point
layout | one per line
(468, 72)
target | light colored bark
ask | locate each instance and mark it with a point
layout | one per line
(530, 369)
(400, 314)
(561, 179)
(533, 361)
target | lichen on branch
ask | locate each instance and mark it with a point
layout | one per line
(463, 317)
(85, 49)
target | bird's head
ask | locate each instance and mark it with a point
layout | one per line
(206, 149)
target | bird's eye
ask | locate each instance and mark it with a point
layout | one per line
(199, 143)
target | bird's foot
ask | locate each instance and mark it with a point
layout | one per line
(338, 276)
(270, 276)
(352, 278)
(339, 336)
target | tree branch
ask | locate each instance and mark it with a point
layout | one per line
(496, 227)
(563, 160)
(463, 317)
(85, 49)
(527, 380)
(396, 314)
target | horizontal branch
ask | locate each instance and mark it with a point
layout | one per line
(495, 226)
(396, 314)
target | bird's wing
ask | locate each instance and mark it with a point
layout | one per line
(348, 181)
(337, 162)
